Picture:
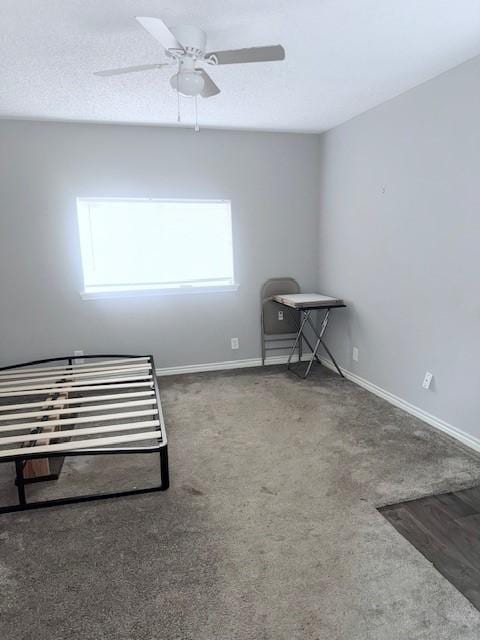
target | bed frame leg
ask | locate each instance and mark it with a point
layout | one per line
(19, 481)
(164, 468)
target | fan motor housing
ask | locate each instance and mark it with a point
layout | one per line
(193, 39)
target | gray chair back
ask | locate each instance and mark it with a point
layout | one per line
(270, 309)
(277, 334)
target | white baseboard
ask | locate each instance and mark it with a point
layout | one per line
(227, 364)
(433, 421)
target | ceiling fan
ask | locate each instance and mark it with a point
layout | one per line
(185, 48)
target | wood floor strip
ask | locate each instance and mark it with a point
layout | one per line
(446, 530)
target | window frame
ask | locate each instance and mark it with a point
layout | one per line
(149, 289)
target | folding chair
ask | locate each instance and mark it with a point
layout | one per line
(279, 328)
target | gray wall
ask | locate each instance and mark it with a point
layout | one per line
(399, 238)
(271, 180)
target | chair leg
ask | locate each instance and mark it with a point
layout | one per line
(262, 328)
(300, 348)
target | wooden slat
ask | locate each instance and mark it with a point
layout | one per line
(65, 421)
(91, 443)
(40, 467)
(52, 403)
(73, 367)
(20, 373)
(37, 377)
(97, 376)
(42, 392)
(70, 433)
(73, 383)
(98, 407)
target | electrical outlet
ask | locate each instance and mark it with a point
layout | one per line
(78, 358)
(235, 344)
(355, 354)
(280, 315)
(427, 380)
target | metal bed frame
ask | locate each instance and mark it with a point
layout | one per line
(101, 384)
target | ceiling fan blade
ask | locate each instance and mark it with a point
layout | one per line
(210, 89)
(159, 30)
(253, 54)
(117, 72)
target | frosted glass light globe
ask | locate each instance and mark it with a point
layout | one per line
(188, 83)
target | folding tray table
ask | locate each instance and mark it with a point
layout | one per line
(55, 408)
(306, 303)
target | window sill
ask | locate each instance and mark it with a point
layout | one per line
(166, 291)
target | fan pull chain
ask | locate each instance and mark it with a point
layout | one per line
(179, 67)
(197, 128)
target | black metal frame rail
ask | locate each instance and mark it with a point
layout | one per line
(20, 460)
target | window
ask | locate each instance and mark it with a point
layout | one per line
(148, 245)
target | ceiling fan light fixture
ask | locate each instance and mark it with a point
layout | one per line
(188, 83)
(186, 47)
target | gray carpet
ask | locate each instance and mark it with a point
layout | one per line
(268, 532)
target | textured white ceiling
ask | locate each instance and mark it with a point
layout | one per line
(343, 57)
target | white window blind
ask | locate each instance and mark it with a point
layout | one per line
(155, 244)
